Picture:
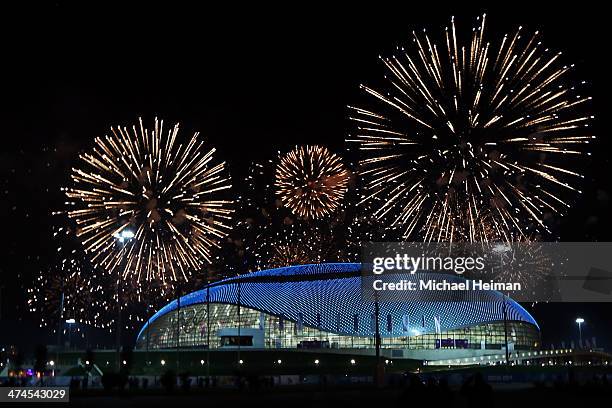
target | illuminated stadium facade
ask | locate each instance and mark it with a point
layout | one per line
(321, 307)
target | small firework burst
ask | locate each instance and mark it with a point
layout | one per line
(471, 140)
(287, 254)
(168, 195)
(527, 262)
(296, 245)
(311, 181)
(62, 292)
(70, 289)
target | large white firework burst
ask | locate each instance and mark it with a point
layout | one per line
(169, 194)
(471, 140)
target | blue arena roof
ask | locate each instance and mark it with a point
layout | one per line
(329, 297)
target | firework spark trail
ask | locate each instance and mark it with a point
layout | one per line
(167, 193)
(467, 134)
(311, 181)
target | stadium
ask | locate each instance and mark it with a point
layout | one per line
(321, 307)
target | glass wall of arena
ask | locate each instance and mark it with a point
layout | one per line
(194, 329)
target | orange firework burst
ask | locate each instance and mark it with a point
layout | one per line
(296, 245)
(311, 181)
(163, 194)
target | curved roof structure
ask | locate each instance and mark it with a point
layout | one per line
(329, 297)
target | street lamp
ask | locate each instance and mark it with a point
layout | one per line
(122, 237)
(580, 320)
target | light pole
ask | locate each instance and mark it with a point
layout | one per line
(502, 250)
(70, 322)
(378, 375)
(122, 237)
(208, 331)
(178, 330)
(239, 338)
(580, 320)
(1, 288)
(506, 330)
(148, 322)
(60, 327)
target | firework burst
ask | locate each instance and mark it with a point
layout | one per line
(290, 253)
(471, 140)
(167, 193)
(311, 181)
(296, 245)
(63, 292)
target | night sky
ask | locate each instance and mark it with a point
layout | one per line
(254, 81)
